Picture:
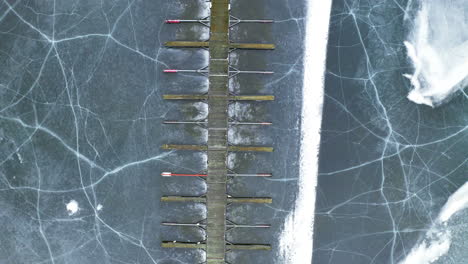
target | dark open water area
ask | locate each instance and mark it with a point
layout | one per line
(81, 114)
(387, 165)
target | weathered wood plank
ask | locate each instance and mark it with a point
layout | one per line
(254, 46)
(260, 200)
(252, 98)
(187, 44)
(226, 97)
(248, 247)
(250, 148)
(205, 44)
(183, 199)
(191, 245)
(205, 148)
(184, 147)
(223, 199)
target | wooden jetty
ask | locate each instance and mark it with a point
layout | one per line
(218, 98)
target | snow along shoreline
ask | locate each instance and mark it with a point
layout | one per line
(296, 240)
(438, 49)
(437, 240)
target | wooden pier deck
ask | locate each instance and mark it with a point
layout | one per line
(217, 148)
(216, 198)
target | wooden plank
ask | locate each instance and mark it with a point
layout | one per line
(189, 245)
(227, 97)
(184, 97)
(205, 44)
(254, 46)
(205, 148)
(198, 199)
(187, 44)
(248, 247)
(184, 147)
(261, 200)
(249, 148)
(252, 98)
(170, 198)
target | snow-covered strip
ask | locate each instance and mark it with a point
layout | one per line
(438, 49)
(297, 234)
(438, 239)
(455, 203)
(430, 249)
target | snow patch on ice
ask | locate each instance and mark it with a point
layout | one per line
(202, 109)
(438, 49)
(246, 136)
(231, 160)
(203, 12)
(241, 111)
(200, 208)
(72, 207)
